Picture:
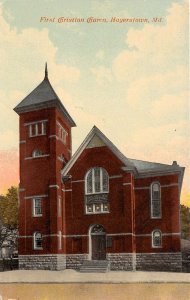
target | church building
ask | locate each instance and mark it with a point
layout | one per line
(97, 210)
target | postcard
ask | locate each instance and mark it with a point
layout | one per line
(94, 149)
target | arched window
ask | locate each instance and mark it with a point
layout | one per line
(96, 190)
(156, 238)
(37, 240)
(155, 200)
(97, 181)
(36, 153)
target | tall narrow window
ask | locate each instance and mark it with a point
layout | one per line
(37, 240)
(155, 200)
(37, 207)
(62, 133)
(156, 238)
(43, 128)
(96, 190)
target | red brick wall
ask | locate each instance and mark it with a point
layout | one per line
(168, 223)
(129, 213)
(35, 177)
(118, 220)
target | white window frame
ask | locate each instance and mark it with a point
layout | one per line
(30, 130)
(34, 206)
(34, 241)
(43, 128)
(153, 245)
(151, 196)
(37, 153)
(34, 128)
(101, 211)
(62, 133)
(93, 181)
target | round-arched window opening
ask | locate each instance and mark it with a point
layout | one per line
(97, 181)
(98, 229)
(36, 153)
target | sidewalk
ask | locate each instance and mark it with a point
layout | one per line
(72, 276)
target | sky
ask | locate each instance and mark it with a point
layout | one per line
(129, 79)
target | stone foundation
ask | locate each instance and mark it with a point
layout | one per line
(42, 262)
(118, 261)
(121, 261)
(75, 261)
(159, 262)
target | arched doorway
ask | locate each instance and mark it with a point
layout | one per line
(98, 242)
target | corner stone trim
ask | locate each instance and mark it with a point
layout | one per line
(42, 262)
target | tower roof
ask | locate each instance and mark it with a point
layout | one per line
(43, 96)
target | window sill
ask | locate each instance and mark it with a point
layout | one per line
(32, 136)
(96, 213)
(36, 216)
(38, 248)
(97, 193)
(33, 157)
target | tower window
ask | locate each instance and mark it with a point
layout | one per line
(37, 128)
(37, 207)
(36, 153)
(37, 240)
(155, 200)
(96, 191)
(62, 133)
(156, 238)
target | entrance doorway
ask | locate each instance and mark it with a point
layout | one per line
(98, 242)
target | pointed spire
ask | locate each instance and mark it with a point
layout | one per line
(46, 71)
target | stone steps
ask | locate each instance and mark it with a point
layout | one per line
(95, 266)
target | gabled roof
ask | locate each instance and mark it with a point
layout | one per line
(41, 97)
(96, 132)
(139, 167)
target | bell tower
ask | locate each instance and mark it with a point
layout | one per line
(45, 148)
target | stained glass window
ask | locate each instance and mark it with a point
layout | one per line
(37, 240)
(156, 238)
(96, 190)
(155, 200)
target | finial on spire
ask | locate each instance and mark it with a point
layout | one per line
(46, 71)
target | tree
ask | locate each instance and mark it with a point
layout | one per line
(9, 221)
(185, 221)
(9, 208)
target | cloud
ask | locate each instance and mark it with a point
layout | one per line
(102, 74)
(23, 55)
(154, 48)
(145, 89)
(100, 55)
(169, 105)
